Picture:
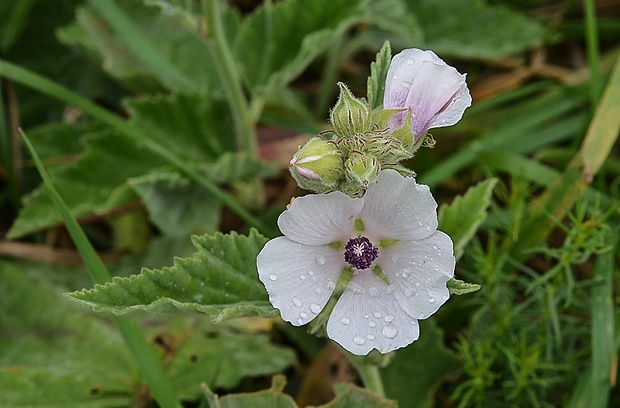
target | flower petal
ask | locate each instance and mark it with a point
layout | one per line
(418, 271)
(367, 317)
(396, 207)
(299, 278)
(436, 93)
(320, 219)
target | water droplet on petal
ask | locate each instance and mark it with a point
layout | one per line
(300, 322)
(320, 259)
(366, 316)
(378, 315)
(390, 331)
(303, 315)
(389, 318)
(395, 258)
(296, 302)
(273, 277)
(409, 292)
(435, 247)
(405, 273)
(372, 324)
(370, 337)
(431, 300)
(331, 286)
(395, 77)
(302, 277)
(314, 308)
(410, 61)
(421, 316)
(345, 321)
(444, 297)
(417, 284)
(311, 273)
(359, 340)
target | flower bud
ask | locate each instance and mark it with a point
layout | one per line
(350, 115)
(361, 169)
(317, 166)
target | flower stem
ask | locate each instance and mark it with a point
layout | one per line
(229, 76)
(368, 371)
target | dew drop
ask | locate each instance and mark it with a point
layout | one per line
(417, 284)
(431, 300)
(405, 273)
(410, 61)
(300, 322)
(331, 285)
(311, 273)
(378, 315)
(302, 277)
(372, 324)
(314, 308)
(320, 259)
(435, 247)
(366, 316)
(409, 292)
(421, 316)
(444, 297)
(389, 318)
(390, 331)
(395, 258)
(345, 321)
(273, 277)
(303, 315)
(359, 340)
(296, 302)
(370, 337)
(395, 77)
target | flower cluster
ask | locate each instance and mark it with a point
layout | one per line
(421, 92)
(365, 259)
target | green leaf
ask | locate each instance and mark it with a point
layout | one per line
(461, 219)
(194, 127)
(459, 287)
(392, 20)
(272, 397)
(93, 184)
(350, 395)
(220, 280)
(475, 29)
(177, 206)
(278, 41)
(417, 370)
(378, 72)
(144, 47)
(231, 167)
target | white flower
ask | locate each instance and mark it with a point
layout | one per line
(388, 239)
(436, 93)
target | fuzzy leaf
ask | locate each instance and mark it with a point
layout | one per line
(220, 280)
(484, 31)
(461, 219)
(278, 41)
(177, 206)
(195, 127)
(459, 287)
(378, 72)
(148, 50)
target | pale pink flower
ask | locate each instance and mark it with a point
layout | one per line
(436, 93)
(400, 263)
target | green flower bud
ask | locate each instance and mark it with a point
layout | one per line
(317, 166)
(350, 115)
(361, 169)
(388, 149)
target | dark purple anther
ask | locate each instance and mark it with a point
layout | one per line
(359, 253)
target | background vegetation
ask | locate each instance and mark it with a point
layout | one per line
(159, 119)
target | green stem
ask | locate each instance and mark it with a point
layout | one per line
(44, 85)
(596, 83)
(368, 371)
(143, 354)
(230, 79)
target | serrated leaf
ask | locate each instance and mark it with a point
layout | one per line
(475, 29)
(418, 369)
(195, 127)
(177, 206)
(278, 41)
(220, 280)
(461, 219)
(92, 184)
(232, 166)
(150, 49)
(459, 287)
(378, 73)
